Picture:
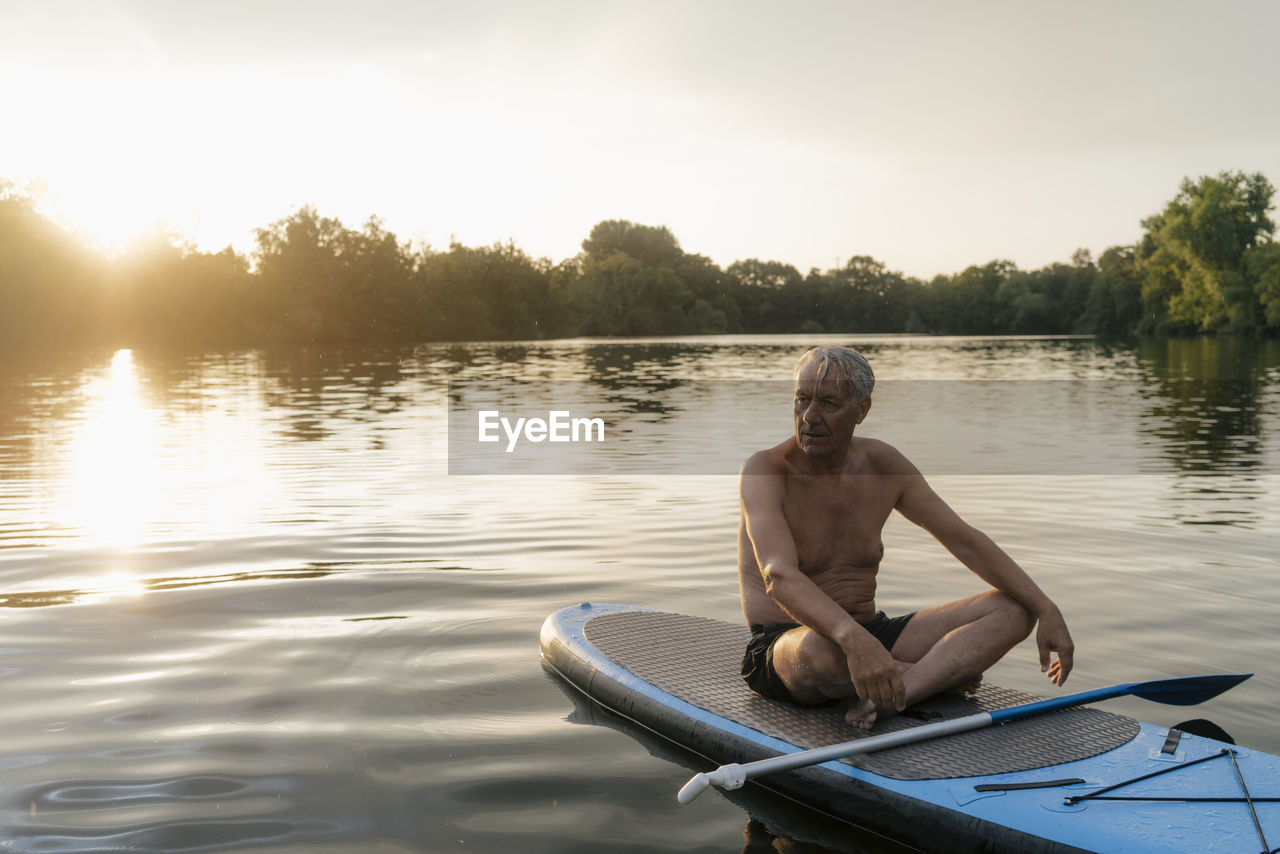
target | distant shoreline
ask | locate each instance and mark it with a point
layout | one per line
(1207, 264)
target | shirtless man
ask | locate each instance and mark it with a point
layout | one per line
(809, 549)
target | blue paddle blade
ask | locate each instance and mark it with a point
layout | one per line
(1188, 691)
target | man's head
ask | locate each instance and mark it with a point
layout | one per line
(832, 395)
(849, 367)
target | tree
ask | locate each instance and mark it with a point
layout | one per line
(1113, 306)
(321, 281)
(715, 308)
(1025, 308)
(868, 297)
(488, 292)
(50, 284)
(765, 275)
(375, 280)
(620, 295)
(1193, 254)
(969, 304)
(635, 281)
(1262, 267)
(300, 274)
(648, 244)
(161, 292)
(764, 290)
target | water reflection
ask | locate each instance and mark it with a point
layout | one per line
(124, 584)
(114, 483)
(1217, 500)
(1208, 426)
(1210, 358)
(156, 445)
(758, 839)
(315, 393)
(1207, 417)
(635, 378)
(1206, 400)
(121, 584)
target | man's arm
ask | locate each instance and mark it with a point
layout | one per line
(919, 503)
(871, 669)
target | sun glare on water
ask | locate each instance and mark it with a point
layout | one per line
(141, 464)
(120, 585)
(114, 480)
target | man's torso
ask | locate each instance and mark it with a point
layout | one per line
(836, 524)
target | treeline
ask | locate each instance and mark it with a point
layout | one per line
(1205, 264)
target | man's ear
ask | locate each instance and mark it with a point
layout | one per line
(865, 406)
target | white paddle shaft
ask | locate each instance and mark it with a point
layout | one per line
(732, 776)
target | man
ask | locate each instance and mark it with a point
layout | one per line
(809, 549)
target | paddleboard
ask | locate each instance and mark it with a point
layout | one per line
(1081, 779)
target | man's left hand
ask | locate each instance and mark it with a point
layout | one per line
(1052, 637)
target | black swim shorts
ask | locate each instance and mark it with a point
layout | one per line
(757, 661)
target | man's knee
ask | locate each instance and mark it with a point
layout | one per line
(813, 668)
(1016, 618)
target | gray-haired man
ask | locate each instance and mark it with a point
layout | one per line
(809, 550)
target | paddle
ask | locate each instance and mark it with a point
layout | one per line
(1175, 692)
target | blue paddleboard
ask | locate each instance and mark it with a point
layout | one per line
(1072, 780)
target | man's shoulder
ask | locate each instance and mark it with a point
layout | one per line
(771, 460)
(883, 458)
(876, 457)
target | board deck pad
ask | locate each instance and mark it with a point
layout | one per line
(698, 659)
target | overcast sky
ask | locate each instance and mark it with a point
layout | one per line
(928, 135)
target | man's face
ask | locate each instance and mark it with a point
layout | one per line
(825, 411)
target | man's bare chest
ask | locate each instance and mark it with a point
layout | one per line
(837, 527)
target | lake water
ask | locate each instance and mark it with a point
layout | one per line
(289, 602)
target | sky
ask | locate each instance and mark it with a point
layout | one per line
(928, 135)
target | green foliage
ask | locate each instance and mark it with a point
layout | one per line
(1113, 305)
(636, 280)
(619, 294)
(650, 245)
(1193, 255)
(865, 296)
(970, 303)
(322, 282)
(49, 285)
(763, 290)
(1205, 263)
(494, 292)
(1262, 268)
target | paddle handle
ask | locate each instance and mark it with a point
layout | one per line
(728, 776)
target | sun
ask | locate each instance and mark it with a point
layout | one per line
(120, 156)
(111, 217)
(101, 156)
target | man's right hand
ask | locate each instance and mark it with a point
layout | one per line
(875, 673)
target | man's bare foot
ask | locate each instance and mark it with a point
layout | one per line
(863, 714)
(966, 689)
(860, 713)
